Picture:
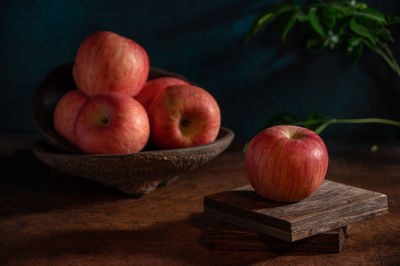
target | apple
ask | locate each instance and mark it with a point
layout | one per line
(286, 163)
(152, 87)
(65, 112)
(183, 116)
(111, 123)
(106, 61)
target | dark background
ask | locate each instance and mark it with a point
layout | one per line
(204, 41)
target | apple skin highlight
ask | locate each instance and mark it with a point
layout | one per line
(183, 116)
(65, 113)
(106, 61)
(286, 163)
(154, 86)
(112, 123)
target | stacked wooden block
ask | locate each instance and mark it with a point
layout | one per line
(241, 220)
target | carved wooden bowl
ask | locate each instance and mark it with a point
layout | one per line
(134, 174)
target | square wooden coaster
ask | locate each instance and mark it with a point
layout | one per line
(225, 236)
(333, 205)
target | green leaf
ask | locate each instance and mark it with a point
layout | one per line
(374, 148)
(314, 43)
(361, 6)
(315, 21)
(342, 10)
(357, 53)
(362, 31)
(385, 35)
(326, 42)
(315, 120)
(354, 41)
(370, 24)
(373, 14)
(355, 48)
(289, 25)
(282, 119)
(392, 19)
(263, 18)
(328, 17)
(341, 25)
(260, 21)
(301, 16)
(284, 7)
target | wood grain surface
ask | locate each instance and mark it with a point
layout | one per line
(226, 236)
(332, 206)
(49, 220)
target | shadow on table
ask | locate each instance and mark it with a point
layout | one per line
(181, 242)
(175, 242)
(27, 185)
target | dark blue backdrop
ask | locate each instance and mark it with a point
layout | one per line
(203, 40)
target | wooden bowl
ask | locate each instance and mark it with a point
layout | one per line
(134, 174)
(137, 173)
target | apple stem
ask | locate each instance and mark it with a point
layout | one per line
(356, 121)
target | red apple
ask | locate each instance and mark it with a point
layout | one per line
(183, 116)
(152, 87)
(112, 123)
(286, 163)
(65, 112)
(106, 61)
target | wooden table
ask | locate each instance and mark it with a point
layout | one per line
(58, 220)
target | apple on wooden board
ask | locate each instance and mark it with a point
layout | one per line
(183, 116)
(112, 123)
(286, 163)
(152, 87)
(106, 61)
(66, 110)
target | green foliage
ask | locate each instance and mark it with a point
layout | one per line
(290, 23)
(347, 24)
(315, 121)
(318, 122)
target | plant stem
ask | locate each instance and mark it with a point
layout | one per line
(390, 54)
(388, 57)
(356, 121)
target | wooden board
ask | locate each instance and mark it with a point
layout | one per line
(225, 236)
(333, 205)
